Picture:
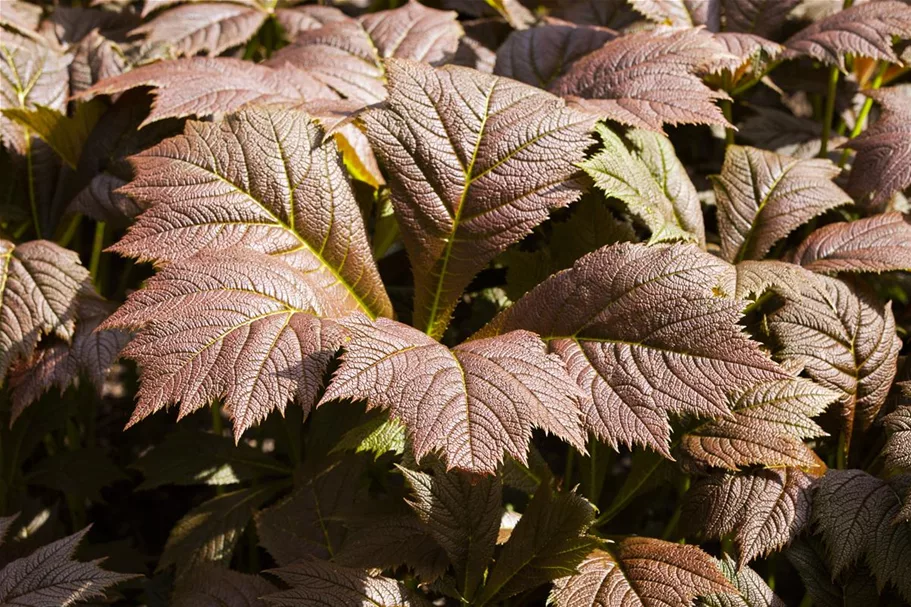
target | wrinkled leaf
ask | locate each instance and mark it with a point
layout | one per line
(213, 586)
(752, 590)
(881, 243)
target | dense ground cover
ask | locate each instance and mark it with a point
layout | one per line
(488, 303)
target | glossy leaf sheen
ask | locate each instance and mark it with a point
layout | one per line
(881, 243)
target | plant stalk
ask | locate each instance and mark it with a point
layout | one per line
(861, 121)
(97, 246)
(829, 114)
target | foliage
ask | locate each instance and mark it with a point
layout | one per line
(507, 302)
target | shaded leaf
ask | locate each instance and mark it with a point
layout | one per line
(650, 78)
(761, 17)
(855, 514)
(874, 244)
(641, 572)
(762, 196)
(898, 445)
(764, 509)
(547, 543)
(79, 473)
(65, 134)
(650, 181)
(466, 181)
(855, 589)
(50, 577)
(378, 435)
(752, 590)
(319, 582)
(881, 166)
(646, 332)
(539, 55)
(213, 586)
(472, 403)
(864, 30)
(767, 426)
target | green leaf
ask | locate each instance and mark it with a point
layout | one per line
(66, 135)
(378, 435)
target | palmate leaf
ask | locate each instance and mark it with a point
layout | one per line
(316, 582)
(764, 509)
(651, 182)
(767, 426)
(762, 196)
(475, 162)
(472, 403)
(463, 515)
(856, 516)
(213, 586)
(881, 166)
(265, 179)
(844, 340)
(641, 572)
(646, 332)
(50, 577)
(547, 543)
(752, 590)
(541, 54)
(881, 243)
(39, 286)
(237, 325)
(864, 30)
(649, 78)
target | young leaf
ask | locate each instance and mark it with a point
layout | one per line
(898, 445)
(211, 27)
(649, 78)
(39, 285)
(316, 582)
(65, 134)
(209, 532)
(473, 403)
(539, 55)
(213, 586)
(236, 325)
(881, 243)
(310, 521)
(752, 590)
(762, 196)
(651, 181)
(864, 30)
(646, 332)
(641, 572)
(881, 166)
(547, 543)
(845, 341)
(764, 509)
(768, 424)
(463, 515)
(265, 179)
(466, 181)
(50, 577)
(855, 514)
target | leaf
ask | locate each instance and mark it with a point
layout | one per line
(646, 332)
(865, 30)
(211, 27)
(650, 181)
(855, 515)
(898, 444)
(316, 582)
(237, 311)
(39, 285)
(213, 586)
(539, 55)
(763, 196)
(650, 78)
(378, 435)
(808, 558)
(681, 13)
(752, 590)
(881, 166)
(210, 532)
(80, 473)
(463, 515)
(297, 19)
(845, 341)
(768, 424)
(466, 181)
(547, 543)
(299, 208)
(472, 403)
(761, 17)
(881, 243)
(641, 572)
(50, 577)
(414, 32)
(66, 135)
(310, 522)
(199, 458)
(22, 16)
(764, 509)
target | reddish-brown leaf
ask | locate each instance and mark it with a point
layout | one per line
(881, 243)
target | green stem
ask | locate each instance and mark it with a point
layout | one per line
(727, 108)
(30, 175)
(678, 510)
(70, 231)
(841, 456)
(97, 246)
(807, 601)
(861, 121)
(829, 111)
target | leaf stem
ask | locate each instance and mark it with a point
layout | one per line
(30, 175)
(861, 121)
(97, 246)
(727, 108)
(218, 429)
(841, 456)
(678, 510)
(829, 114)
(70, 231)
